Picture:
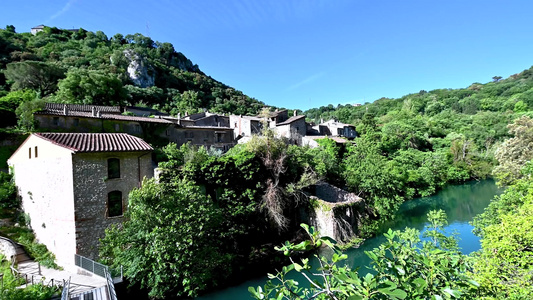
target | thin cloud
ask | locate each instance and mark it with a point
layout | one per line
(65, 8)
(306, 81)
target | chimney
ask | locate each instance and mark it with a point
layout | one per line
(295, 113)
(93, 111)
(98, 114)
(65, 110)
(321, 120)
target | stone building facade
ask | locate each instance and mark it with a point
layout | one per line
(75, 185)
(204, 129)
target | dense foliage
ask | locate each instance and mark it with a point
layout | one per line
(403, 267)
(89, 68)
(502, 269)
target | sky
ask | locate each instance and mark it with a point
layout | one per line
(311, 53)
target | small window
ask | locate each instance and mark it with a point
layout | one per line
(219, 137)
(56, 121)
(76, 122)
(29, 152)
(113, 168)
(117, 127)
(36, 153)
(114, 204)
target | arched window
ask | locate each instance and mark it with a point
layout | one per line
(113, 168)
(114, 204)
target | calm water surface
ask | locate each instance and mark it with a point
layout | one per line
(460, 202)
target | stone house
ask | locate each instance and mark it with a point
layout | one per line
(210, 130)
(245, 126)
(335, 128)
(75, 185)
(292, 128)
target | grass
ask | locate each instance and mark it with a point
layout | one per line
(26, 238)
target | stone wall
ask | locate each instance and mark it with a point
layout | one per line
(333, 194)
(7, 248)
(91, 189)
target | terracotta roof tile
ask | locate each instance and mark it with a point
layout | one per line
(105, 116)
(82, 108)
(97, 142)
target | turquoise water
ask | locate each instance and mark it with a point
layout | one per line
(460, 202)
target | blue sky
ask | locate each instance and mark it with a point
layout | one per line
(304, 54)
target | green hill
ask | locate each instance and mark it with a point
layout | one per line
(89, 68)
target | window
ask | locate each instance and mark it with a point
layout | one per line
(76, 122)
(56, 121)
(219, 137)
(35, 151)
(113, 168)
(29, 152)
(137, 128)
(114, 204)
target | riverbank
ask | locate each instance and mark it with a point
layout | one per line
(460, 202)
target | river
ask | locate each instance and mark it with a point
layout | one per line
(460, 202)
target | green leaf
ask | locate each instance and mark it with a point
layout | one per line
(454, 293)
(396, 294)
(298, 267)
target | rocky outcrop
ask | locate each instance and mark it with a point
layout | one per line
(336, 213)
(139, 71)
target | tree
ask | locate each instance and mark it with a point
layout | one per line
(496, 78)
(403, 268)
(36, 75)
(169, 242)
(91, 87)
(515, 152)
(25, 113)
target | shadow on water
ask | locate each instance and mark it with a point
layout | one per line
(460, 202)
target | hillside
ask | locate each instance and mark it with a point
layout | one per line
(479, 112)
(84, 67)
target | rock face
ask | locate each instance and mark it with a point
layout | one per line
(139, 71)
(336, 213)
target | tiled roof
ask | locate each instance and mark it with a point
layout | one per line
(290, 120)
(81, 108)
(97, 142)
(206, 127)
(106, 116)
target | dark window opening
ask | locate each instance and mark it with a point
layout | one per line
(76, 122)
(29, 152)
(113, 168)
(36, 152)
(114, 204)
(219, 137)
(56, 121)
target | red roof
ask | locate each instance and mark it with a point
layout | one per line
(97, 142)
